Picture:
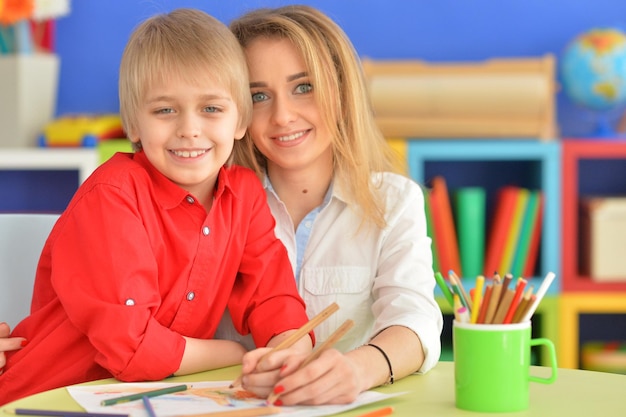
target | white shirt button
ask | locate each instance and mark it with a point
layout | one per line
(130, 302)
(307, 224)
(190, 199)
(191, 295)
(206, 230)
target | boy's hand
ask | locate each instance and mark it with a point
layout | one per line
(260, 376)
(8, 343)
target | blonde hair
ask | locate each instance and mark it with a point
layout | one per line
(359, 148)
(185, 43)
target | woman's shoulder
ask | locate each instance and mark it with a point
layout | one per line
(390, 183)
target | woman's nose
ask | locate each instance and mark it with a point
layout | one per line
(283, 112)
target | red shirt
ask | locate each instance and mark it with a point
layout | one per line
(134, 263)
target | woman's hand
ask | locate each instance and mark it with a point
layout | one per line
(333, 378)
(8, 343)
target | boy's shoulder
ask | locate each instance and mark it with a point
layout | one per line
(242, 177)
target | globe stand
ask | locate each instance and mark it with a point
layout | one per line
(604, 125)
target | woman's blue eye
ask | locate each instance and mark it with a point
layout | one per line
(256, 97)
(304, 88)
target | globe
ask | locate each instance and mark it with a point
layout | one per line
(593, 70)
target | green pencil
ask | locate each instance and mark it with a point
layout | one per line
(444, 288)
(140, 395)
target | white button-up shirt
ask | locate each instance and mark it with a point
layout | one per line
(378, 277)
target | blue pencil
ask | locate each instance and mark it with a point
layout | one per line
(148, 405)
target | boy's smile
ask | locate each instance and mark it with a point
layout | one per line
(187, 130)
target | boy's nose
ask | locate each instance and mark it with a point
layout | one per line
(188, 127)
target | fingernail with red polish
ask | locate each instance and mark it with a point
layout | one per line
(278, 403)
(279, 389)
(24, 342)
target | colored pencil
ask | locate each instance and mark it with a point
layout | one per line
(241, 412)
(443, 286)
(505, 285)
(541, 292)
(523, 305)
(297, 335)
(477, 299)
(140, 395)
(503, 307)
(468, 300)
(519, 291)
(59, 413)
(485, 304)
(330, 342)
(385, 411)
(493, 301)
(148, 406)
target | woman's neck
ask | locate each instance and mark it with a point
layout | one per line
(300, 190)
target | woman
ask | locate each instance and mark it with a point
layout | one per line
(355, 231)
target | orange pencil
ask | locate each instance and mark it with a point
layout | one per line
(523, 304)
(485, 304)
(385, 411)
(519, 291)
(477, 298)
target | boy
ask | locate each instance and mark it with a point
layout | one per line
(154, 246)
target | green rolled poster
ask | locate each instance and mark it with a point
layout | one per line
(470, 220)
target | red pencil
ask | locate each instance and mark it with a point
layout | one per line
(519, 291)
(385, 411)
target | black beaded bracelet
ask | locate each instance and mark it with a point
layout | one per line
(388, 362)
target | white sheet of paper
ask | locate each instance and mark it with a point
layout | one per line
(202, 397)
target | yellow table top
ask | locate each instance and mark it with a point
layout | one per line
(575, 393)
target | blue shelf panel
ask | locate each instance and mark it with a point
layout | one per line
(492, 164)
(46, 191)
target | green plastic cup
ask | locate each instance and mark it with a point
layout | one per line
(492, 366)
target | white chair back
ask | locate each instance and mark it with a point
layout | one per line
(22, 236)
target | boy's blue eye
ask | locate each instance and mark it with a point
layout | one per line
(256, 97)
(304, 88)
(211, 109)
(164, 111)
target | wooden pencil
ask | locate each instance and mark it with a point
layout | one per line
(523, 305)
(494, 301)
(519, 292)
(468, 300)
(330, 342)
(503, 307)
(505, 285)
(297, 335)
(385, 411)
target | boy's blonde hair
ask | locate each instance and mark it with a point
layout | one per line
(184, 43)
(359, 149)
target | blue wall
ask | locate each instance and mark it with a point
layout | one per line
(91, 39)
